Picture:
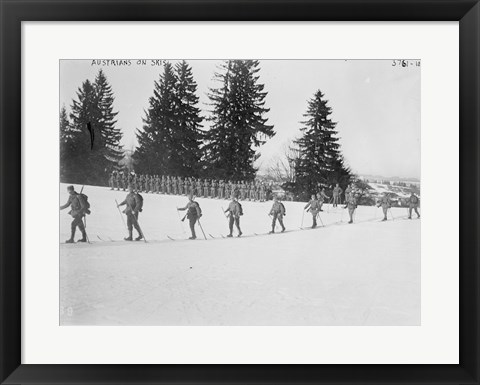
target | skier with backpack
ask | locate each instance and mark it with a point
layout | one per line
(321, 196)
(277, 212)
(337, 192)
(79, 207)
(385, 203)
(413, 203)
(134, 203)
(194, 213)
(351, 204)
(235, 211)
(314, 207)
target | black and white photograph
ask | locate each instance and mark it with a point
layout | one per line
(240, 192)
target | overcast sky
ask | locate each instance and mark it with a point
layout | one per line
(376, 104)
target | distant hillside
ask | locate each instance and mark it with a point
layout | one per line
(381, 178)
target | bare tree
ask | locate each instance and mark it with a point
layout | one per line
(282, 168)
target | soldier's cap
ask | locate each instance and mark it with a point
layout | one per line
(70, 188)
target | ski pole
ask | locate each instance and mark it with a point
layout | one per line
(390, 211)
(201, 228)
(121, 216)
(85, 226)
(303, 215)
(319, 217)
(223, 212)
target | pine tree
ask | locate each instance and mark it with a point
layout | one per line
(171, 137)
(111, 151)
(238, 122)
(67, 147)
(152, 155)
(320, 163)
(84, 110)
(188, 135)
(95, 142)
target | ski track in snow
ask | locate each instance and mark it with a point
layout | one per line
(366, 273)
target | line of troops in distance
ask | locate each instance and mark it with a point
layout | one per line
(207, 188)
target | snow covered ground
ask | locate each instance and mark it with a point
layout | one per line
(367, 273)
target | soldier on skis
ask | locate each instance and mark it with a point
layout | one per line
(413, 203)
(314, 207)
(277, 212)
(134, 205)
(321, 196)
(337, 192)
(193, 214)
(234, 211)
(385, 203)
(351, 204)
(79, 207)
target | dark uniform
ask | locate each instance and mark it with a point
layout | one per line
(179, 186)
(314, 207)
(77, 211)
(206, 186)
(321, 196)
(386, 204)
(351, 204)
(234, 217)
(111, 180)
(262, 192)
(413, 203)
(199, 188)
(213, 188)
(277, 212)
(134, 206)
(175, 185)
(337, 192)
(124, 180)
(221, 189)
(193, 214)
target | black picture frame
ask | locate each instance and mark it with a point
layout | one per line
(13, 12)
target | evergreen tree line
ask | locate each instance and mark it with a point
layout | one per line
(174, 142)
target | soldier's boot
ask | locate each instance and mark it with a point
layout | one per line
(230, 235)
(314, 224)
(384, 219)
(129, 238)
(72, 236)
(84, 237)
(140, 237)
(239, 232)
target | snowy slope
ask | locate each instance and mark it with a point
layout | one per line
(380, 189)
(367, 273)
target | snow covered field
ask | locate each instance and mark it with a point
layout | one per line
(367, 273)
